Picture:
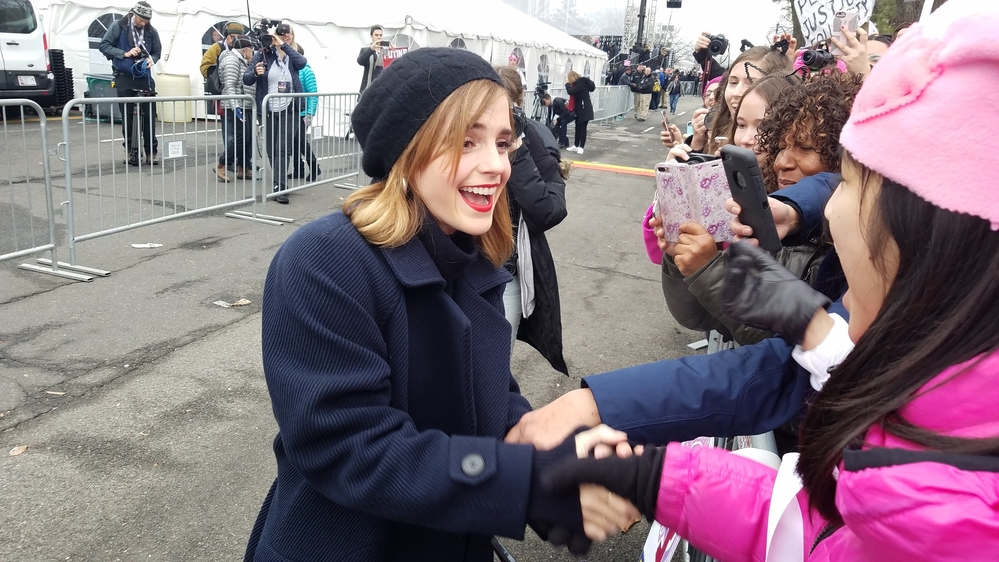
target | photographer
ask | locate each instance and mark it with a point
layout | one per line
(561, 117)
(705, 49)
(372, 57)
(274, 70)
(133, 47)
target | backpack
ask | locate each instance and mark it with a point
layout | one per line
(213, 84)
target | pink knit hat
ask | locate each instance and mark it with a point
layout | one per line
(927, 114)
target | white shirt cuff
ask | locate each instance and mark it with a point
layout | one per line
(831, 352)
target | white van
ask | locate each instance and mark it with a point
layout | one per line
(24, 54)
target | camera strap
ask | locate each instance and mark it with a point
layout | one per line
(138, 35)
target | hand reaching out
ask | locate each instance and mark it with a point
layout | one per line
(792, 45)
(550, 425)
(786, 220)
(635, 478)
(854, 51)
(761, 292)
(700, 139)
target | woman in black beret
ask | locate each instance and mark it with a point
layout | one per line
(387, 353)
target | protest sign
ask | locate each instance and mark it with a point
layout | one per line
(816, 16)
(394, 53)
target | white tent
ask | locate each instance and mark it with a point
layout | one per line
(331, 33)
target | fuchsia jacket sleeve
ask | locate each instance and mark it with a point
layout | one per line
(719, 502)
(651, 242)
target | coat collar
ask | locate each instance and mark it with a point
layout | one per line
(412, 265)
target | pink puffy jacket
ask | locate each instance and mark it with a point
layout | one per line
(901, 512)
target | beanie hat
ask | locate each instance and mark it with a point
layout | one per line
(241, 42)
(143, 10)
(905, 124)
(513, 58)
(234, 28)
(394, 107)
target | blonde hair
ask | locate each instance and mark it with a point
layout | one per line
(390, 213)
(572, 77)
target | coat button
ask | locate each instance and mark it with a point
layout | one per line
(473, 464)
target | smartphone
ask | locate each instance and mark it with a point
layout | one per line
(384, 43)
(847, 18)
(666, 126)
(746, 184)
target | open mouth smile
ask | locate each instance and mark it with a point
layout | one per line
(480, 197)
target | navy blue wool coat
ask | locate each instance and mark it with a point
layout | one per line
(385, 383)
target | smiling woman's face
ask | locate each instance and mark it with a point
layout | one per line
(739, 80)
(796, 160)
(464, 201)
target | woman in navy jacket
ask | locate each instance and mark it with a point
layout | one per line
(387, 354)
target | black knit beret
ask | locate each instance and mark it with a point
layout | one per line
(394, 107)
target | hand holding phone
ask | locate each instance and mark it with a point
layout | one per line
(848, 19)
(385, 43)
(746, 184)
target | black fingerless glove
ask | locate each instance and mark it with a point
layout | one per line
(556, 516)
(635, 478)
(762, 293)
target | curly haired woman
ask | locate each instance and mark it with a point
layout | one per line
(799, 138)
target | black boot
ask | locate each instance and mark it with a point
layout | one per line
(281, 198)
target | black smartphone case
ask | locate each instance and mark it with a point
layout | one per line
(746, 184)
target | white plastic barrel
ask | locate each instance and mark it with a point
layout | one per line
(174, 85)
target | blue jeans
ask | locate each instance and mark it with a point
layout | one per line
(673, 98)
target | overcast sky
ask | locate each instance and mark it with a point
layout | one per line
(737, 19)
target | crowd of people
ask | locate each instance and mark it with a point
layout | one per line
(236, 64)
(868, 342)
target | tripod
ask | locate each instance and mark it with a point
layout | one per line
(135, 130)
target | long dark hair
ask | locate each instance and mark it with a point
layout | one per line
(942, 309)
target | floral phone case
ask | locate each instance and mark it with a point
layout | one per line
(693, 193)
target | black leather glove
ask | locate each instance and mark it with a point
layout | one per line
(762, 293)
(556, 516)
(635, 478)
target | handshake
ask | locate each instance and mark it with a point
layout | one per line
(590, 486)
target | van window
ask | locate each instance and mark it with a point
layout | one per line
(17, 16)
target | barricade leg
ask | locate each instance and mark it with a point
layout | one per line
(21, 236)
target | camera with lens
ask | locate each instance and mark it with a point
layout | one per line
(260, 33)
(541, 88)
(817, 59)
(718, 44)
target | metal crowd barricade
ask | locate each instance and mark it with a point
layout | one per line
(327, 145)
(25, 230)
(107, 194)
(609, 102)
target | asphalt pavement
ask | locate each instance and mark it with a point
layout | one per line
(134, 418)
